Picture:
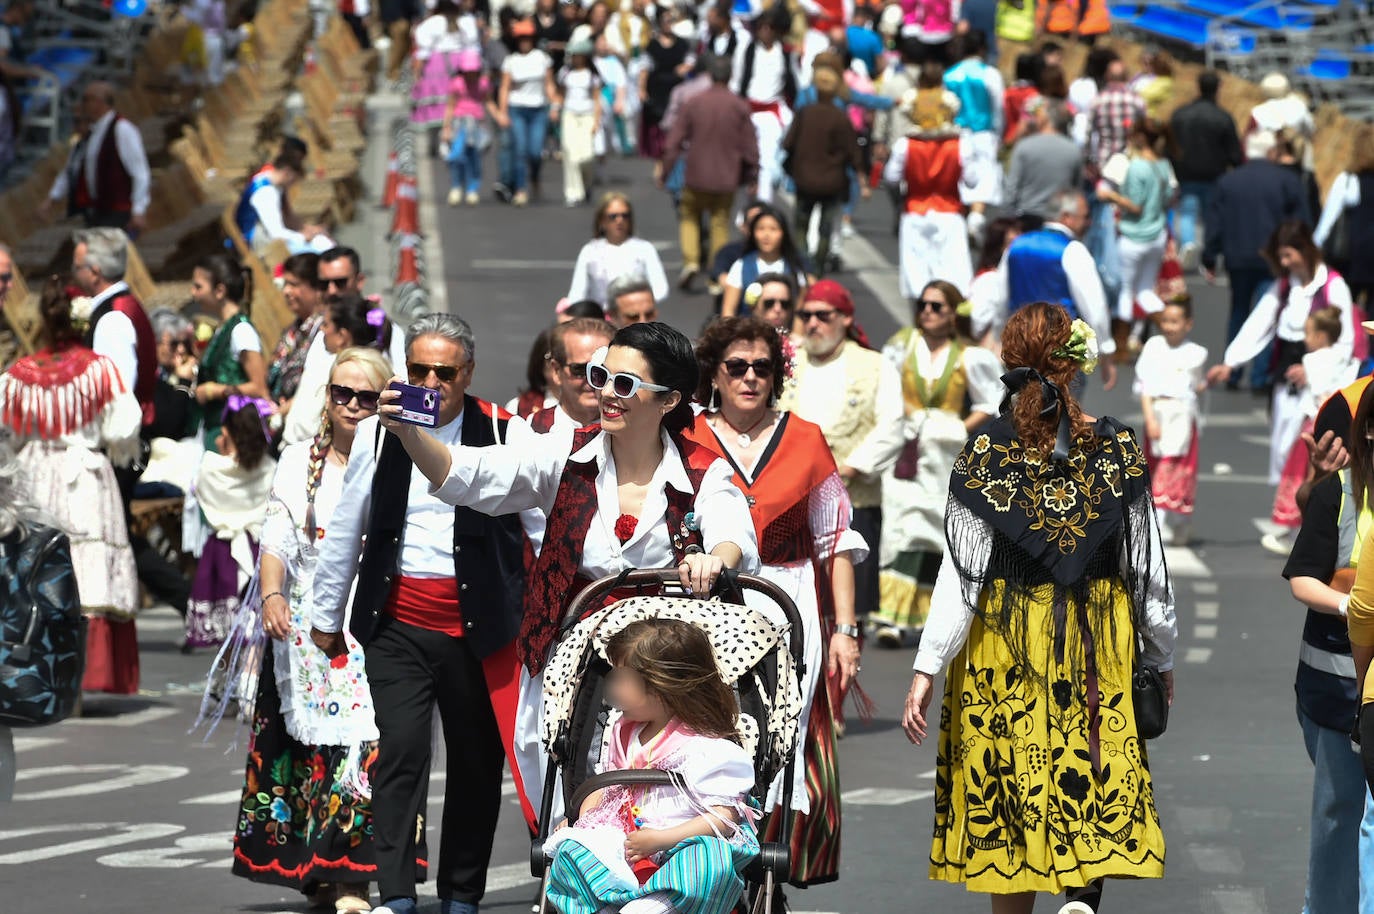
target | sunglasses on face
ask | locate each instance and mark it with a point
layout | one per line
(616, 217)
(824, 317)
(6, 278)
(576, 369)
(340, 395)
(768, 304)
(623, 385)
(332, 282)
(929, 304)
(420, 372)
(738, 368)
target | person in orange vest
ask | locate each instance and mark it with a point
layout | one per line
(1084, 20)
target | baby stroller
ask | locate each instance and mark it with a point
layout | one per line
(760, 660)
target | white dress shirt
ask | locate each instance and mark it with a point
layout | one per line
(129, 142)
(767, 82)
(1289, 319)
(503, 479)
(114, 336)
(1344, 194)
(1085, 287)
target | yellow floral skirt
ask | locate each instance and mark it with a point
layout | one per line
(1018, 804)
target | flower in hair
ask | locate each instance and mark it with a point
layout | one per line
(752, 293)
(376, 317)
(82, 309)
(1080, 347)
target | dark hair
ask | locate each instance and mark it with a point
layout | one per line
(535, 363)
(678, 665)
(587, 307)
(672, 361)
(350, 312)
(1184, 302)
(1208, 84)
(1097, 62)
(55, 311)
(1052, 82)
(340, 252)
(1154, 132)
(720, 334)
(291, 158)
(971, 43)
(1361, 448)
(244, 428)
(1296, 234)
(788, 251)
(776, 17)
(1029, 65)
(1029, 340)
(294, 145)
(589, 326)
(1051, 47)
(911, 49)
(786, 279)
(225, 271)
(305, 267)
(994, 243)
(931, 75)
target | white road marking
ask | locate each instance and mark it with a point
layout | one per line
(1240, 901)
(1205, 632)
(136, 719)
(29, 743)
(130, 776)
(1208, 609)
(1216, 858)
(1207, 587)
(1203, 820)
(499, 879)
(223, 798)
(1245, 479)
(124, 834)
(879, 274)
(168, 858)
(879, 796)
(1185, 563)
(1197, 655)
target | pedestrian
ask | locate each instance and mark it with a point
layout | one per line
(1169, 375)
(1347, 219)
(230, 493)
(465, 130)
(1044, 162)
(618, 98)
(892, 126)
(1277, 330)
(631, 301)
(552, 31)
(232, 361)
(450, 29)
(1084, 90)
(932, 23)
(775, 304)
(1282, 107)
(397, 16)
(106, 180)
(1322, 575)
(1205, 147)
(763, 75)
(768, 248)
(68, 408)
(929, 166)
(1247, 206)
(1083, 802)
(300, 275)
(723, 258)
(579, 121)
(801, 514)
(980, 90)
(1143, 192)
(308, 714)
(1325, 370)
(436, 607)
(524, 98)
(1155, 83)
(615, 251)
(842, 385)
(264, 213)
(576, 404)
(950, 387)
(713, 135)
(819, 146)
(1051, 264)
(988, 290)
(677, 716)
(1019, 95)
(666, 63)
(1113, 111)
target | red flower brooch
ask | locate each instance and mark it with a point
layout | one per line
(625, 527)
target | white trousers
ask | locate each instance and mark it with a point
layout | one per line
(769, 130)
(1285, 428)
(933, 246)
(1140, 264)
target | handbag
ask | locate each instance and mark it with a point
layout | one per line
(42, 630)
(1336, 249)
(1150, 697)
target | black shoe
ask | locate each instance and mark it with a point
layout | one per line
(501, 191)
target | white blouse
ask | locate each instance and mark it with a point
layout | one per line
(1289, 319)
(950, 617)
(601, 263)
(502, 479)
(1171, 372)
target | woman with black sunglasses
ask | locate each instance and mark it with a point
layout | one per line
(801, 514)
(950, 387)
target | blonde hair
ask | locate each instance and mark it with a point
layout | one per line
(378, 370)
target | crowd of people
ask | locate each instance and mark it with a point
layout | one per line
(943, 489)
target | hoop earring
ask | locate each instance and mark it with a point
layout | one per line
(714, 404)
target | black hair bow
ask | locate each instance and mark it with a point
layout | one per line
(1052, 401)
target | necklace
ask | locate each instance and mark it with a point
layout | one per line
(744, 438)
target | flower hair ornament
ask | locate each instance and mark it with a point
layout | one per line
(376, 317)
(263, 408)
(1051, 403)
(752, 293)
(1080, 347)
(82, 309)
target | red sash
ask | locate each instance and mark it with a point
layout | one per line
(428, 603)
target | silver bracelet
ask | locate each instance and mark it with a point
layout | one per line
(851, 631)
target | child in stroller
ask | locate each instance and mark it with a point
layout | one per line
(649, 850)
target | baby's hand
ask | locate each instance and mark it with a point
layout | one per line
(644, 843)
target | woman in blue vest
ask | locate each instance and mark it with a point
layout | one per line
(768, 248)
(1321, 572)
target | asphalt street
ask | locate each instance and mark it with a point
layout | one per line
(124, 811)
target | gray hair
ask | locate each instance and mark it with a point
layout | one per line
(454, 329)
(1059, 116)
(166, 320)
(107, 251)
(629, 284)
(1066, 203)
(17, 513)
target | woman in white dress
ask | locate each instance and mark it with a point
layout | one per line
(613, 252)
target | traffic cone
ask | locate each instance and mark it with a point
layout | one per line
(407, 270)
(407, 219)
(389, 190)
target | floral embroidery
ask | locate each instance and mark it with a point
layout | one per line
(981, 445)
(1059, 495)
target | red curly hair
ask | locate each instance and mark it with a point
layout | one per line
(1031, 336)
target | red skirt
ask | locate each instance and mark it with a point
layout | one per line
(111, 657)
(1286, 513)
(1173, 480)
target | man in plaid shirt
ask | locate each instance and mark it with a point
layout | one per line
(1113, 112)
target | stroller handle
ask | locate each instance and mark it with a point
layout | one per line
(668, 577)
(646, 777)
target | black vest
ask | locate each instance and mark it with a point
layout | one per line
(488, 559)
(789, 78)
(1360, 224)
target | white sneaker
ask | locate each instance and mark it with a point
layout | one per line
(1277, 543)
(455, 197)
(847, 229)
(1075, 907)
(1188, 256)
(473, 198)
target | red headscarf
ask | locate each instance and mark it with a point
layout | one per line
(829, 292)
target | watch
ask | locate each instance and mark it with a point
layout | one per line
(851, 630)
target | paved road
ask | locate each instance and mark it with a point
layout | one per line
(124, 812)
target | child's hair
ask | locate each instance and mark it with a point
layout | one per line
(679, 667)
(1182, 302)
(244, 428)
(1327, 321)
(788, 250)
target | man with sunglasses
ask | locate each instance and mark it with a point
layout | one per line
(437, 606)
(846, 388)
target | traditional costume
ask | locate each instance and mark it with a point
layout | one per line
(220, 364)
(801, 515)
(306, 815)
(939, 392)
(764, 78)
(701, 875)
(1042, 783)
(67, 404)
(1327, 370)
(1171, 377)
(288, 359)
